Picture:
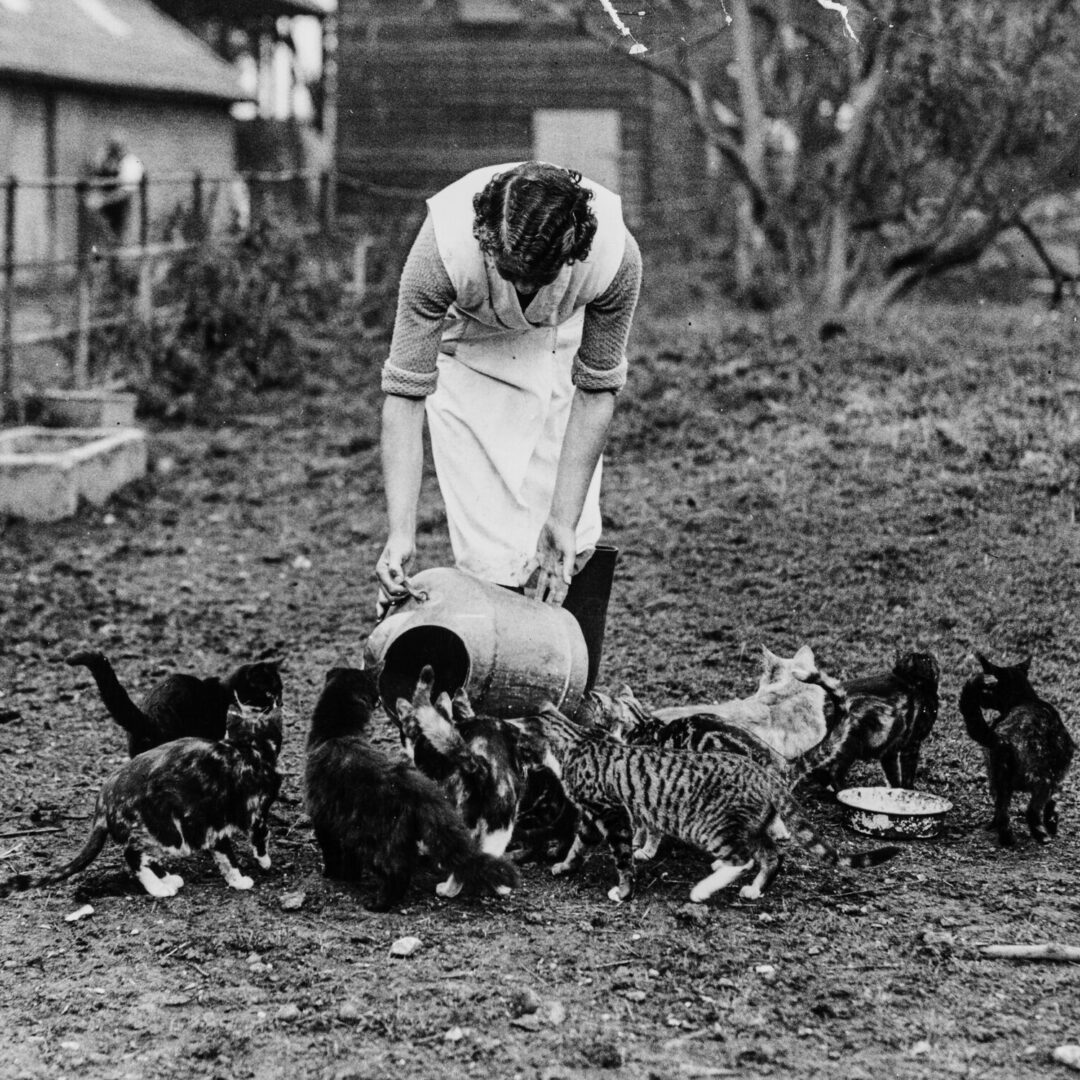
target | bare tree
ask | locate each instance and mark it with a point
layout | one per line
(866, 163)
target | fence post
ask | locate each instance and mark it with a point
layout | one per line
(325, 221)
(144, 301)
(83, 272)
(197, 204)
(7, 360)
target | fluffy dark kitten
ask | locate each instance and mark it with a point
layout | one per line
(886, 716)
(187, 795)
(481, 762)
(181, 705)
(372, 814)
(723, 804)
(1027, 748)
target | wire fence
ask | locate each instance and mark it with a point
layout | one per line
(71, 266)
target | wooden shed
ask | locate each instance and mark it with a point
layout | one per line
(428, 91)
(73, 72)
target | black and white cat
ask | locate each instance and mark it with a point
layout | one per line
(182, 705)
(185, 796)
(481, 762)
(374, 815)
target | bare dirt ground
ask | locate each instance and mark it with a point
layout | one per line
(909, 485)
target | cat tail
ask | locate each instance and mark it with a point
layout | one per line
(807, 836)
(99, 833)
(971, 711)
(121, 708)
(838, 721)
(451, 845)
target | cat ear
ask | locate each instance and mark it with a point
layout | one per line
(403, 709)
(444, 705)
(422, 694)
(985, 664)
(805, 655)
(1025, 664)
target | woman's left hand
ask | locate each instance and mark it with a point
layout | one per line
(555, 553)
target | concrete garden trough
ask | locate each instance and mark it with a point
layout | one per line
(45, 471)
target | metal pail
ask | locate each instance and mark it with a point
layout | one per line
(511, 653)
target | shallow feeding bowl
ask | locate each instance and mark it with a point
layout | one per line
(894, 813)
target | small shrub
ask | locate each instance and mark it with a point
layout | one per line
(230, 330)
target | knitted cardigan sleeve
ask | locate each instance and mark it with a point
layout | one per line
(600, 363)
(424, 297)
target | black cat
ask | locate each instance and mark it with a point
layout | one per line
(1027, 748)
(373, 814)
(182, 705)
(187, 795)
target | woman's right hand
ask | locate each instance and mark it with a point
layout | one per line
(392, 572)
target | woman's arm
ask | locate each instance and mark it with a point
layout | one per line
(402, 462)
(410, 373)
(586, 434)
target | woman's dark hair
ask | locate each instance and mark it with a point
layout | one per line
(534, 219)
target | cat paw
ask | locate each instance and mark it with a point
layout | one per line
(561, 868)
(618, 893)
(448, 889)
(750, 892)
(239, 881)
(174, 882)
(263, 861)
(699, 895)
(503, 890)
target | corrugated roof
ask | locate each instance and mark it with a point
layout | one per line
(120, 44)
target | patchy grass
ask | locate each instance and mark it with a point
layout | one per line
(907, 484)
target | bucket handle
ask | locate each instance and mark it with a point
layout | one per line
(385, 604)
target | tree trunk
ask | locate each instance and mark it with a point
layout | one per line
(748, 238)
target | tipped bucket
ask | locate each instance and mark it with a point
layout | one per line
(511, 653)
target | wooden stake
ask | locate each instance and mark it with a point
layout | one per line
(1050, 951)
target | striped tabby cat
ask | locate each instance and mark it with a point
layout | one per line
(724, 804)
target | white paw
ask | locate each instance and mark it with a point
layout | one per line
(239, 881)
(699, 895)
(643, 854)
(560, 868)
(503, 890)
(174, 882)
(263, 861)
(616, 893)
(448, 889)
(750, 892)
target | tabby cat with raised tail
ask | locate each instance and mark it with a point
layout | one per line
(181, 705)
(1027, 747)
(374, 815)
(187, 795)
(482, 763)
(887, 716)
(724, 804)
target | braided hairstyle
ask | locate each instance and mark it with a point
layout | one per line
(534, 219)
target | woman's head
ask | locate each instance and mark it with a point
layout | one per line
(533, 220)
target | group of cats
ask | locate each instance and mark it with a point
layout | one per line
(203, 770)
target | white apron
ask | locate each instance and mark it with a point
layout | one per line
(499, 413)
